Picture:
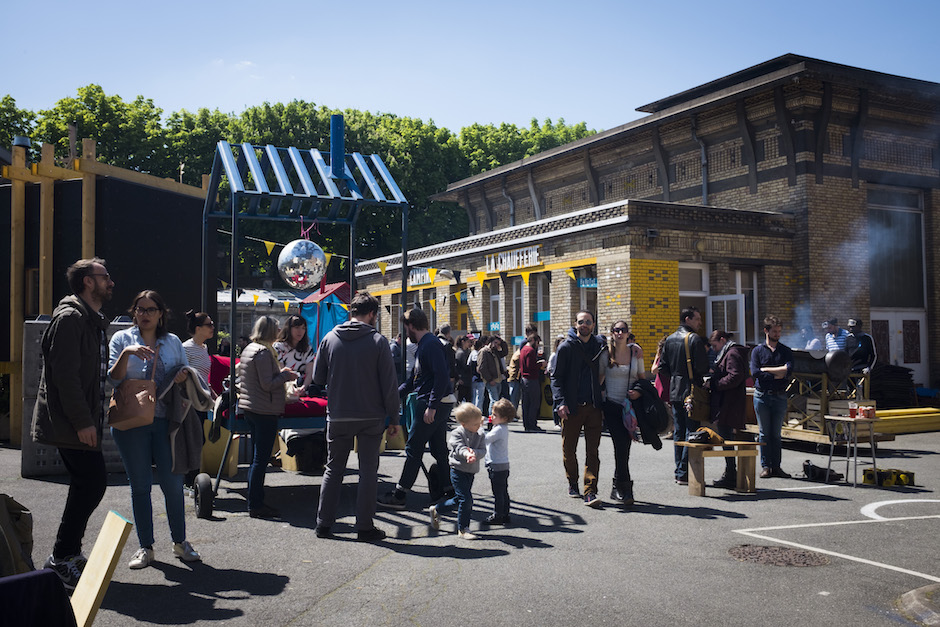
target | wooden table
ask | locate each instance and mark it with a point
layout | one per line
(845, 429)
(746, 452)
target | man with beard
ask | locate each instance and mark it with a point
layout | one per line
(771, 367)
(70, 406)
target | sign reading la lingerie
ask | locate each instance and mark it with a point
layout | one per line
(514, 259)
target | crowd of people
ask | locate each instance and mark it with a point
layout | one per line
(598, 383)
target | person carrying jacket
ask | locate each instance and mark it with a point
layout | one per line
(576, 391)
(70, 406)
(674, 366)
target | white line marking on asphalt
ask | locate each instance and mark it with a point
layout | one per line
(828, 486)
(869, 510)
(752, 533)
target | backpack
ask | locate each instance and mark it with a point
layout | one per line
(16, 537)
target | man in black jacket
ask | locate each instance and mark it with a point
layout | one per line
(70, 406)
(581, 360)
(674, 366)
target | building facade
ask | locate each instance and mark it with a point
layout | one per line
(796, 187)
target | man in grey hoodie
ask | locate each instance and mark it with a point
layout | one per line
(354, 361)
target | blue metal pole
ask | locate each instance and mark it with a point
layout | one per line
(337, 147)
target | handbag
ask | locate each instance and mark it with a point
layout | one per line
(698, 402)
(133, 402)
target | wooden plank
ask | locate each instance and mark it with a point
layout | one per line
(90, 166)
(19, 173)
(89, 199)
(17, 294)
(46, 195)
(91, 588)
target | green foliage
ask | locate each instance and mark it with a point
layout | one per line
(421, 157)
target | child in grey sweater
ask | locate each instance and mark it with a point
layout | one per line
(467, 446)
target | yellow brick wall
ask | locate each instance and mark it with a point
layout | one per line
(654, 287)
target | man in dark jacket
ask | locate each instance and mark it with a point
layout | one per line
(354, 361)
(429, 406)
(576, 391)
(674, 366)
(70, 406)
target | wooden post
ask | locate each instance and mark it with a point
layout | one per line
(46, 211)
(88, 201)
(17, 275)
(88, 594)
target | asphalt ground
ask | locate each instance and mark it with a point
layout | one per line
(664, 561)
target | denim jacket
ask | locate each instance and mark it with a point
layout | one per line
(171, 356)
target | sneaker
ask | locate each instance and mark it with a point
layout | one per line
(185, 551)
(574, 492)
(370, 535)
(766, 473)
(323, 531)
(435, 518)
(466, 535)
(778, 472)
(391, 501)
(557, 427)
(67, 569)
(591, 500)
(141, 559)
(265, 512)
(682, 480)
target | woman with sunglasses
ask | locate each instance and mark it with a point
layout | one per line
(625, 367)
(144, 350)
(201, 328)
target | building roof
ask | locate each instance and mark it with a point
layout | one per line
(340, 290)
(779, 71)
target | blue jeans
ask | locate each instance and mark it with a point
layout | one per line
(141, 448)
(771, 410)
(499, 482)
(515, 389)
(476, 391)
(263, 431)
(463, 497)
(684, 426)
(433, 435)
(494, 391)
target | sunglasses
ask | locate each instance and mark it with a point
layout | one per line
(585, 323)
(619, 329)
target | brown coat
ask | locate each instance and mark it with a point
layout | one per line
(729, 387)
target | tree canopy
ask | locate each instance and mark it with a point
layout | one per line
(422, 157)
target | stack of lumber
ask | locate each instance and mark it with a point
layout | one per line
(912, 420)
(892, 386)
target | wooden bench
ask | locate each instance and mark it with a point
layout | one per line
(746, 452)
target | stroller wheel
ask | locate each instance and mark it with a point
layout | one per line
(203, 495)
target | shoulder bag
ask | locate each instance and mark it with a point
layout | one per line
(133, 402)
(698, 402)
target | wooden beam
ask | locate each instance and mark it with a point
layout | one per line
(534, 194)
(46, 212)
(17, 279)
(471, 216)
(19, 173)
(591, 178)
(490, 218)
(750, 155)
(785, 122)
(89, 199)
(88, 165)
(858, 134)
(662, 163)
(104, 557)
(822, 127)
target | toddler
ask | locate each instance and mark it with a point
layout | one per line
(497, 460)
(467, 445)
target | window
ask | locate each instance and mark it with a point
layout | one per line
(494, 306)
(745, 282)
(588, 276)
(543, 305)
(518, 327)
(426, 297)
(693, 286)
(395, 315)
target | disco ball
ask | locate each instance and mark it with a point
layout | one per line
(302, 264)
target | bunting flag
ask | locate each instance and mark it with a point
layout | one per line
(269, 246)
(570, 273)
(432, 272)
(525, 277)
(224, 285)
(329, 256)
(433, 302)
(382, 266)
(473, 291)
(344, 306)
(286, 306)
(481, 276)
(388, 308)
(255, 297)
(457, 296)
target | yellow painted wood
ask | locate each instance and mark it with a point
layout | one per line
(46, 211)
(91, 588)
(89, 200)
(19, 173)
(17, 279)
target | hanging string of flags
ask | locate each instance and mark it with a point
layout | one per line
(269, 247)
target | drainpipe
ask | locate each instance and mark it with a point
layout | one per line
(512, 205)
(704, 165)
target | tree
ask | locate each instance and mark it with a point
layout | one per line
(14, 121)
(191, 140)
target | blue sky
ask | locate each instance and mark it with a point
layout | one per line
(455, 63)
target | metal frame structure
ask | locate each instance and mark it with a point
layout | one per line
(293, 185)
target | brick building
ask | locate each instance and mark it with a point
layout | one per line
(797, 187)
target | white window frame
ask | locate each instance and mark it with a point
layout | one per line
(494, 305)
(518, 323)
(543, 302)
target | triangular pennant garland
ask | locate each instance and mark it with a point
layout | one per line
(286, 306)
(433, 302)
(328, 257)
(382, 266)
(255, 297)
(570, 273)
(525, 277)
(481, 276)
(432, 272)
(269, 246)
